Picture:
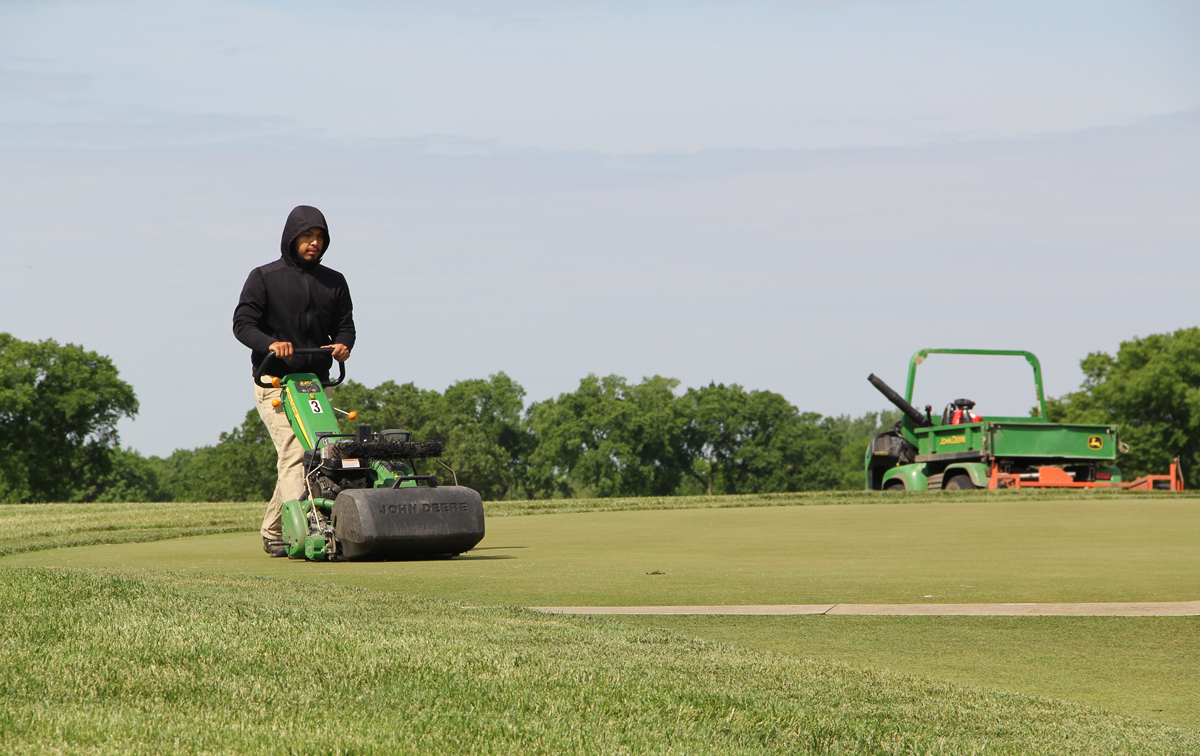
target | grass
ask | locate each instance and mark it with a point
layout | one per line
(175, 656)
(32, 527)
(925, 549)
(92, 662)
(1148, 666)
(806, 498)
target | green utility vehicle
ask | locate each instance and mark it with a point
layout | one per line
(962, 450)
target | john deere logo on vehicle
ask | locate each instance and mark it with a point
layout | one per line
(1095, 442)
(410, 508)
(946, 440)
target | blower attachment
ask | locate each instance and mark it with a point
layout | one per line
(914, 414)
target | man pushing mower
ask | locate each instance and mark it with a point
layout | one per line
(292, 303)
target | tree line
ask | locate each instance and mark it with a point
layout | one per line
(613, 437)
(59, 405)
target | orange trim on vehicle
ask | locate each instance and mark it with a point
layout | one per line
(1051, 476)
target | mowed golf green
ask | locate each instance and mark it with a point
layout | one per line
(976, 548)
(982, 550)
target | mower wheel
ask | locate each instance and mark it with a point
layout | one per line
(894, 485)
(960, 483)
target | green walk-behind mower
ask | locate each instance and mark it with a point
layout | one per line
(363, 498)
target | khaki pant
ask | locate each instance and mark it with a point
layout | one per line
(291, 459)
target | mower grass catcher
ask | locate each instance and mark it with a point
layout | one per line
(363, 499)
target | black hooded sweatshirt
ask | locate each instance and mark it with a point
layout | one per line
(292, 300)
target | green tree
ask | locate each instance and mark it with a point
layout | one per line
(757, 442)
(610, 438)
(240, 467)
(485, 434)
(780, 449)
(712, 434)
(59, 407)
(390, 406)
(1151, 389)
(479, 421)
(129, 477)
(854, 429)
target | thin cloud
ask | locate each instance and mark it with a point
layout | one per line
(42, 84)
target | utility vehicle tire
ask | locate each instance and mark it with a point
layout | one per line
(960, 483)
(894, 485)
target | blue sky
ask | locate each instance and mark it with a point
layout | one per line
(783, 195)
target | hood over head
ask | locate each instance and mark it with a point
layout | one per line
(302, 218)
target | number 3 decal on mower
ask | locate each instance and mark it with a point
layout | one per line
(316, 407)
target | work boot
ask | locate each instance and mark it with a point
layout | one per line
(274, 547)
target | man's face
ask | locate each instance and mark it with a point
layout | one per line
(310, 244)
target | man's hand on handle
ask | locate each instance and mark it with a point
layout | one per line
(284, 350)
(341, 352)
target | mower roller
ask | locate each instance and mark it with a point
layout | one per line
(363, 498)
(961, 449)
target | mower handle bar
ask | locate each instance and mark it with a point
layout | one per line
(258, 373)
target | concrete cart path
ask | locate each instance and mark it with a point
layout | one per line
(1134, 609)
